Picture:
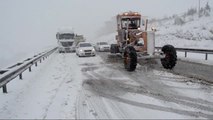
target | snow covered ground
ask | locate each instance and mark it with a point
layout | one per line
(66, 86)
(48, 92)
(196, 58)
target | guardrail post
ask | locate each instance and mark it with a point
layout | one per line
(20, 76)
(30, 69)
(206, 56)
(43, 58)
(185, 54)
(36, 64)
(4, 89)
(40, 60)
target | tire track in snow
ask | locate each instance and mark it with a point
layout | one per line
(64, 75)
(56, 89)
(93, 105)
(53, 97)
(145, 74)
(178, 99)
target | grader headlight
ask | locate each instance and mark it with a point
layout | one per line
(125, 13)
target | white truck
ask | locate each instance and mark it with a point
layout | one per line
(78, 39)
(65, 39)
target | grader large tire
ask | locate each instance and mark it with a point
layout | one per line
(170, 57)
(114, 48)
(130, 58)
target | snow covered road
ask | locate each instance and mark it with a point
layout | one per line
(66, 86)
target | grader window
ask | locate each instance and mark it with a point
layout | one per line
(131, 23)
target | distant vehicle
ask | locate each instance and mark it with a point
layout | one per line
(85, 49)
(78, 39)
(65, 41)
(102, 46)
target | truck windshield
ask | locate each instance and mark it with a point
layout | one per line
(66, 36)
(103, 43)
(133, 23)
(85, 45)
(66, 44)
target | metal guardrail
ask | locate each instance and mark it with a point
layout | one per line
(187, 50)
(12, 72)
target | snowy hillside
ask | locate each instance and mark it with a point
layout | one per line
(195, 32)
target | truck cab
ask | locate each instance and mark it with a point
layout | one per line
(65, 39)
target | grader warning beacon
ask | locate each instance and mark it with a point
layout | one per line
(135, 43)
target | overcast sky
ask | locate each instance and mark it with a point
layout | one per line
(36, 21)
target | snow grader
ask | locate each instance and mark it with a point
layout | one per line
(135, 43)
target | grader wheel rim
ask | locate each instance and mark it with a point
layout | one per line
(127, 59)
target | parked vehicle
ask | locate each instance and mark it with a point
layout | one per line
(85, 49)
(102, 46)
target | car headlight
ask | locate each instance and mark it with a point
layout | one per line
(81, 50)
(93, 50)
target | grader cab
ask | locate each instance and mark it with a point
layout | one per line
(135, 43)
